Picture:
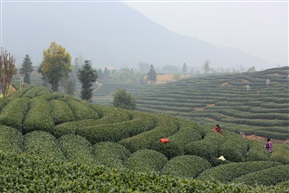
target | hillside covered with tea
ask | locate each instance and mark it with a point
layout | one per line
(55, 143)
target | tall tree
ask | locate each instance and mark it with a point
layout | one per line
(184, 69)
(26, 69)
(206, 66)
(87, 76)
(152, 75)
(56, 65)
(7, 70)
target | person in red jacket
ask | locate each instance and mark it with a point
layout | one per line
(218, 129)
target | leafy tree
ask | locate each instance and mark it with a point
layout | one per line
(152, 75)
(184, 69)
(7, 70)
(26, 69)
(55, 65)
(206, 66)
(87, 76)
(123, 100)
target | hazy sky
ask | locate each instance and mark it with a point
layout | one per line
(258, 27)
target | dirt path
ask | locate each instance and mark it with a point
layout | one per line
(264, 139)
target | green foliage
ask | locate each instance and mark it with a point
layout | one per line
(55, 65)
(86, 75)
(60, 112)
(38, 116)
(26, 69)
(123, 100)
(110, 154)
(146, 161)
(116, 131)
(164, 127)
(10, 140)
(234, 148)
(256, 151)
(270, 176)
(76, 148)
(13, 113)
(208, 147)
(42, 144)
(152, 75)
(82, 110)
(231, 171)
(24, 173)
(188, 166)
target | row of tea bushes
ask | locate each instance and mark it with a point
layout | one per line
(231, 171)
(76, 148)
(270, 176)
(188, 166)
(42, 144)
(110, 154)
(38, 116)
(164, 127)
(14, 112)
(10, 140)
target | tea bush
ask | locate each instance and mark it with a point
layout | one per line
(10, 140)
(82, 110)
(231, 171)
(164, 127)
(14, 112)
(38, 116)
(110, 154)
(42, 144)
(270, 176)
(76, 148)
(60, 112)
(188, 166)
(146, 160)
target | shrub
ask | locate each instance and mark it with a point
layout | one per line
(188, 166)
(38, 116)
(10, 140)
(82, 110)
(60, 112)
(42, 144)
(231, 171)
(146, 161)
(76, 148)
(234, 148)
(110, 154)
(208, 147)
(13, 113)
(117, 131)
(268, 177)
(165, 126)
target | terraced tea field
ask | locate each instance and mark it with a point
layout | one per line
(53, 142)
(262, 110)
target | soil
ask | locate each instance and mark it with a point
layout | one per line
(264, 139)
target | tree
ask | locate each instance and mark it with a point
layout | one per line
(26, 69)
(87, 76)
(123, 100)
(152, 76)
(7, 70)
(206, 66)
(184, 69)
(56, 65)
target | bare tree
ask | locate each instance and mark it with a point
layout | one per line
(7, 70)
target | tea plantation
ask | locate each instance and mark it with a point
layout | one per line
(256, 103)
(51, 142)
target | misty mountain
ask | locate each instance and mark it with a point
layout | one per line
(110, 34)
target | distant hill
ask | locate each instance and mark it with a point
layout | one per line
(108, 34)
